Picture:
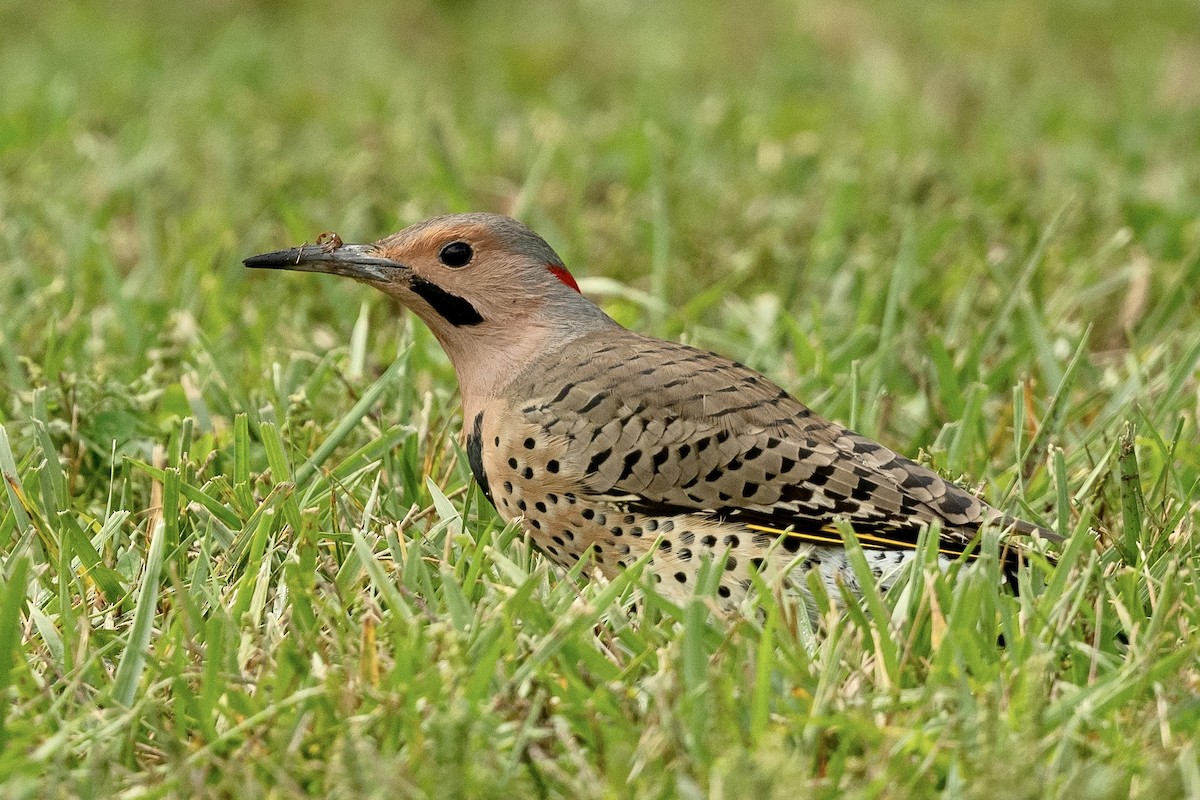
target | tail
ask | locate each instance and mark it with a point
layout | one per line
(1013, 547)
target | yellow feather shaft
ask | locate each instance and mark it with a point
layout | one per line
(865, 537)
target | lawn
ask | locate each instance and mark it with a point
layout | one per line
(242, 555)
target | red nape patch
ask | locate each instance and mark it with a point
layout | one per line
(563, 276)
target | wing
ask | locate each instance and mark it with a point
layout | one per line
(668, 429)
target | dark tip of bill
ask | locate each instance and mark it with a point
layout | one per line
(275, 260)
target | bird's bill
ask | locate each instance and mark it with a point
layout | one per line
(350, 260)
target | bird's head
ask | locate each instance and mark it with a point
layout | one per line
(489, 288)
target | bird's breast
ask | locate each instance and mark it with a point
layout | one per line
(529, 476)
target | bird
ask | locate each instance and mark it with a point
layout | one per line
(615, 446)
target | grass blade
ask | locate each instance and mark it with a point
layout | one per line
(348, 423)
(133, 659)
(12, 603)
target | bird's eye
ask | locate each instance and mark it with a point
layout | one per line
(456, 254)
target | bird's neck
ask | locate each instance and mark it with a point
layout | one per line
(492, 356)
(489, 354)
(486, 364)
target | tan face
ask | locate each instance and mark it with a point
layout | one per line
(464, 274)
(459, 272)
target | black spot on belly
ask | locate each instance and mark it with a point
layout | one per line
(475, 457)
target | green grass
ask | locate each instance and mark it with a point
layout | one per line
(242, 555)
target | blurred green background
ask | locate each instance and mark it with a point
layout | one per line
(782, 147)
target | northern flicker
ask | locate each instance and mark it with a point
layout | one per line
(611, 443)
